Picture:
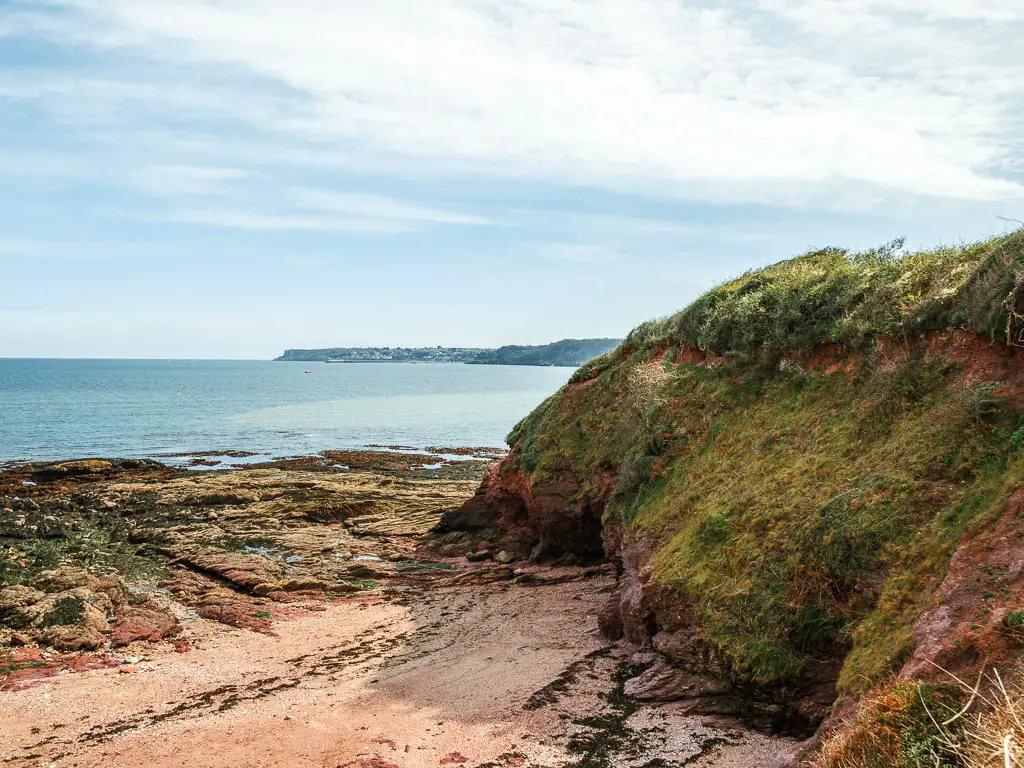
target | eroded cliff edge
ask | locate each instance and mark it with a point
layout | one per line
(811, 482)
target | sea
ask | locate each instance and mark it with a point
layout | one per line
(61, 409)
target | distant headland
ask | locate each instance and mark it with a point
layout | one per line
(567, 352)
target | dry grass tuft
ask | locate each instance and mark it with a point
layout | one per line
(647, 386)
(994, 739)
(915, 725)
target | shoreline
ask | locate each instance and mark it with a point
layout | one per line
(305, 616)
(372, 457)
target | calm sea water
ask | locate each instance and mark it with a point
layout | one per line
(59, 409)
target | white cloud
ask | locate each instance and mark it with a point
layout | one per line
(175, 181)
(69, 250)
(212, 196)
(579, 253)
(929, 10)
(201, 172)
(815, 98)
(292, 208)
(379, 207)
(268, 222)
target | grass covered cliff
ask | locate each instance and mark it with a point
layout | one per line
(567, 352)
(810, 475)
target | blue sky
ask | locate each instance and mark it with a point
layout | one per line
(227, 178)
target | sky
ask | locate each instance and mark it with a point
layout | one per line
(228, 178)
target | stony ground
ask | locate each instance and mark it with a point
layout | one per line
(282, 616)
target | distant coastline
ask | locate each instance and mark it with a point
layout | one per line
(564, 353)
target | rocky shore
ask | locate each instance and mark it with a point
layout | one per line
(308, 612)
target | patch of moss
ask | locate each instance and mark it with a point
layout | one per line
(1013, 619)
(67, 610)
(99, 539)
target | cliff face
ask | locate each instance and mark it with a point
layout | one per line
(809, 479)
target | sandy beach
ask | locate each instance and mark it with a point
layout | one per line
(498, 670)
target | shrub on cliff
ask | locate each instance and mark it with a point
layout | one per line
(832, 295)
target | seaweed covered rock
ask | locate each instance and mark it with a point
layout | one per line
(71, 610)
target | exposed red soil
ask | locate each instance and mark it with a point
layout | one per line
(984, 360)
(965, 632)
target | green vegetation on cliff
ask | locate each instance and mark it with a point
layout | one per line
(836, 296)
(805, 448)
(567, 352)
